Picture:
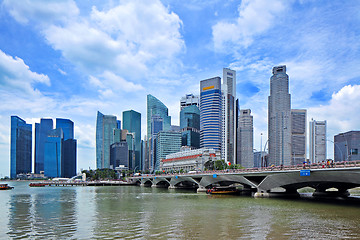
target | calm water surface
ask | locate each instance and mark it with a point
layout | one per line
(150, 213)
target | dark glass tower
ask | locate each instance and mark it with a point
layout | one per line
(67, 126)
(41, 133)
(20, 146)
(190, 126)
(53, 153)
(155, 106)
(132, 123)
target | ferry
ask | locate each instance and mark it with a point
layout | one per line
(37, 184)
(223, 190)
(5, 187)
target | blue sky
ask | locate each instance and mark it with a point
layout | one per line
(69, 59)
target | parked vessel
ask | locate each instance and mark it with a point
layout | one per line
(5, 187)
(223, 190)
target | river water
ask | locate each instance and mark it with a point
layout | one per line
(131, 212)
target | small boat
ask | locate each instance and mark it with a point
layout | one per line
(223, 190)
(5, 187)
(37, 184)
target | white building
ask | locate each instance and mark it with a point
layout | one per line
(189, 100)
(317, 141)
(298, 136)
(246, 136)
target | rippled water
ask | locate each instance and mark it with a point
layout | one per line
(150, 213)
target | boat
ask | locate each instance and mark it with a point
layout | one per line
(5, 187)
(223, 191)
(37, 184)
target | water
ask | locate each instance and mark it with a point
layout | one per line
(131, 212)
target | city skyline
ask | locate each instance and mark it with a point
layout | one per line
(47, 73)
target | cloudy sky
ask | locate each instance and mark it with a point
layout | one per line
(69, 59)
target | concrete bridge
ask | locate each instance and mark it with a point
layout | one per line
(327, 181)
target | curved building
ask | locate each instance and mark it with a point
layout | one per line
(155, 106)
(210, 113)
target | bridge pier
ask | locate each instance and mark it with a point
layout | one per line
(201, 189)
(320, 193)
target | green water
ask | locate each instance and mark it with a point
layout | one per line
(132, 212)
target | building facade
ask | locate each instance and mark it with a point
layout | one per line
(156, 107)
(132, 123)
(189, 100)
(317, 141)
(229, 116)
(41, 133)
(67, 127)
(69, 162)
(190, 126)
(119, 154)
(298, 136)
(104, 136)
(54, 153)
(246, 139)
(166, 143)
(210, 113)
(20, 147)
(347, 146)
(279, 122)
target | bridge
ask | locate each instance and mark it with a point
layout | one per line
(327, 180)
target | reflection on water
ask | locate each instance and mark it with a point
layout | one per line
(148, 213)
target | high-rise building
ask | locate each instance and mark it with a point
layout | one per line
(157, 124)
(119, 154)
(210, 113)
(68, 166)
(156, 107)
(279, 125)
(53, 153)
(347, 146)
(189, 100)
(67, 127)
(237, 139)
(104, 137)
(229, 115)
(130, 140)
(190, 126)
(317, 141)
(166, 143)
(246, 136)
(132, 122)
(298, 136)
(41, 133)
(20, 146)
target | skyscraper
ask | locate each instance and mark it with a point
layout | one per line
(229, 115)
(190, 126)
(119, 154)
(246, 136)
(157, 124)
(347, 146)
(210, 113)
(41, 133)
(67, 127)
(104, 136)
(317, 141)
(68, 161)
(298, 136)
(132, 123)
(53, 153)
(20, 146)
(166, 143)
(155, 106)
(189, 100)
(279, 125)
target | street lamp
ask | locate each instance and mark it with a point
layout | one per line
(263, 160)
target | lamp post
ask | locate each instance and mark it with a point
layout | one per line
(263, 162)
(261, 149)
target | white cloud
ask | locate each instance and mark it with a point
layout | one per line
(255, 17)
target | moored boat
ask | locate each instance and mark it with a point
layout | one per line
(5, 187)
(37, 184)
(223, 190)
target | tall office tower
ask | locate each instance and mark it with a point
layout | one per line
(246, 136)
(157, 124)
(67, 127)
(317, 141)
(119, 154)
(53, 153)
(237, 139)
(166, 143)
(223, 120)
(104, 136)
(210, 113)
(279, 127)
(190, 126)
(20, 146)
(155, 106)
(189, 100)
(130, 140)
(229, 109)
(347, 146)
(132, 123)
(41, 133)
(298, 136)
(117, 135)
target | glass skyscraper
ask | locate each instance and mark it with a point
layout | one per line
(155, 106)
(20, 146)
(53, 153)
(104, 136)
(190, 126)
(132, 122)
(41, 133)
(166, 143)
(67, 127)
(210, 113)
